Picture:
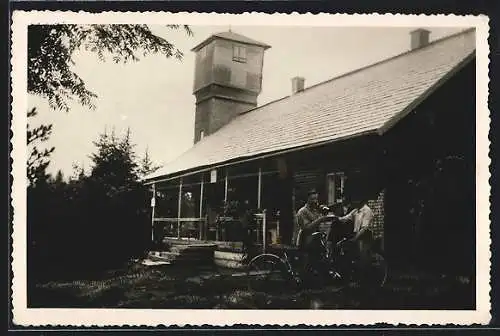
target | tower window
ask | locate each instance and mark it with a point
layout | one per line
(239, 54)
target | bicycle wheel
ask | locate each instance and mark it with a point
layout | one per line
(267, 273)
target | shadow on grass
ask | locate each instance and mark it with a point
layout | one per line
(178, 288)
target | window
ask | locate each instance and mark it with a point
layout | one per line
(202, 134)
(336, 183)
(239, 54)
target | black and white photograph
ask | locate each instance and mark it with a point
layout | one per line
(221, 169)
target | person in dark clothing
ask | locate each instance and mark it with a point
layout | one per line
(246, 218)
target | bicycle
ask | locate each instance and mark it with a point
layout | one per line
(268, 271)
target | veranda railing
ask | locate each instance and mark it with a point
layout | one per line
(173, 227)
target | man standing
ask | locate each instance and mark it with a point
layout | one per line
(246, 217)
(308, 219)
(362, 219)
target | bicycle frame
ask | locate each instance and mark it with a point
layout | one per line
(288, 264)
(332, 262)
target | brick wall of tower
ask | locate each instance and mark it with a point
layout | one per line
(213, 113)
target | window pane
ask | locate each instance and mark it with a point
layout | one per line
(239, 54)
(335, 188)
(338, 188)
(331, 189)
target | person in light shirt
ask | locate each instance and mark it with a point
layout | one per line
(308, 219)
(362, 218)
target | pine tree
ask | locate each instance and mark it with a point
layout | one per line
(117, 198)
(78, 172)
(38, 159)
(57, 182)
(59, 177)
(147, 166)
(114, 165)
(128, 157)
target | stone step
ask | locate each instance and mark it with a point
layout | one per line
(229, 259)
(223, 254)
(190, 242)
(176, 258)
(231, 264)
(234, 256)
(159, 256)
(187, 249)
(152, 263)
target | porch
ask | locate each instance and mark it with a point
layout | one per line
(255, 199)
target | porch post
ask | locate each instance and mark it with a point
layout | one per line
(225, 188)
(153, 204)
(201, 223)
(259, 197)
(264, 229)
(226, 184)
(278, 238)
(259, 188)
(179, 203)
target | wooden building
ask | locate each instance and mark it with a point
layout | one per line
(401, 131)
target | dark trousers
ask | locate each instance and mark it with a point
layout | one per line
(364, 248)
(310, 249)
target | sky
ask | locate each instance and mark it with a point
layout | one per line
(153, 97)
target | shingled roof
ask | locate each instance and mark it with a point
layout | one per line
(368, 100)
(231, 36)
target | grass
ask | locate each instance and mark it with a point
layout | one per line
(172, 287)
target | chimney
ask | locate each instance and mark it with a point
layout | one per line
(297, 84)
(419, 38)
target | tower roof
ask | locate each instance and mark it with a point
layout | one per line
(231, 36)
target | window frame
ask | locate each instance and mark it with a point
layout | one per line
(332, 187)
(239, 53)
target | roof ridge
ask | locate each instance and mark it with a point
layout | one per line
(392, 57)
(366, 67)
(260, 106)
(230, 36)
(240, 38)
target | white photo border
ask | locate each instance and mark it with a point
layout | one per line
(153, 317)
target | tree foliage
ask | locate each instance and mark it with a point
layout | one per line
(114, 161)
(78, 172)
(147, 166)
(38, 159)
(101, 219)
(51, 49)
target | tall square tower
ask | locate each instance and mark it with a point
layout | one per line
(228, 79)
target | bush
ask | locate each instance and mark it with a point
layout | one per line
(80, 228)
